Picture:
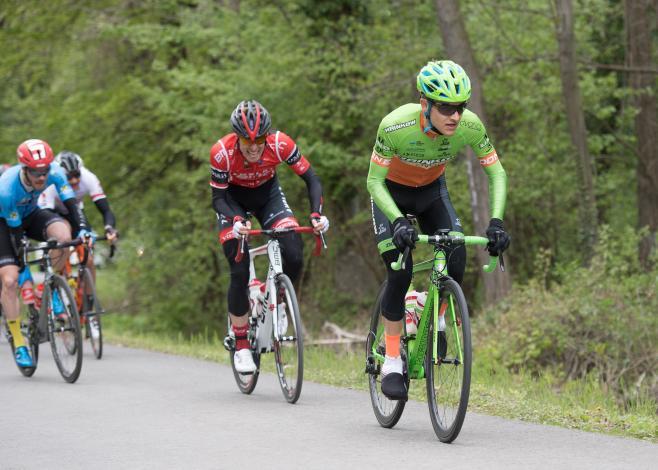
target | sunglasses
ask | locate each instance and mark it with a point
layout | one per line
(38, 173)
(73, 175)
(450, 109)
(258, 140)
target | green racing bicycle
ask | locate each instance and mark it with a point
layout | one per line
(440, 351)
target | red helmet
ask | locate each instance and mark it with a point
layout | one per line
(35, 153)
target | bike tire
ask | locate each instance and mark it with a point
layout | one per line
(388, 412)
(448, 378)
(65, 337)
(31, 335)
(91, 310)
(246, 382)
(289, 350)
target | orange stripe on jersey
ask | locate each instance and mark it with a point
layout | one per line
(489, 159)
(411, 175)
(379, 160)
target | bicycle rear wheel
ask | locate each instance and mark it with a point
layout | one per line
(91, 311)
(64, 334)
(387, 412)
(448, 366)
(31, 336)
(289, 348)
(246, 382)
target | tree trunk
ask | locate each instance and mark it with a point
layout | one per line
(576, 123)
(458, 48)
(638, 56)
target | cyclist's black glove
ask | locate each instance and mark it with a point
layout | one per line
(498, 237)
(404, 235)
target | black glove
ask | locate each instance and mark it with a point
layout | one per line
(404, 235)
(498, 237)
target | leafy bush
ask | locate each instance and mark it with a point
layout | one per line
(599, 320)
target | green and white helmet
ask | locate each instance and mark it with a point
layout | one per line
(443, 80)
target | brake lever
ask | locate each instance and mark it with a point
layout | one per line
(238, 256)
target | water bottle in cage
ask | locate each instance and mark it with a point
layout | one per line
(414, 303)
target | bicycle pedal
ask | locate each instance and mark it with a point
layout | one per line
(229, 343)
(371, 366)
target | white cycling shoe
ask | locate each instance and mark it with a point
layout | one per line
(93, 327)
(244, 362)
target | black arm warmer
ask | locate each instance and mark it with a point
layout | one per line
(314, 190)
(221, 205)
(79, 220)
(108, 216)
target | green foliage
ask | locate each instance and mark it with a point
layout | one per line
(143, 89)
(598, 321)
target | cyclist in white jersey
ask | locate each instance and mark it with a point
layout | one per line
(83, 182)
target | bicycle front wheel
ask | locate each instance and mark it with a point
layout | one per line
(289, 348)
(91, 311)
(387, 412)
(63, 327)
(448, 362)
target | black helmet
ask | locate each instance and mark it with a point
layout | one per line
(71, 162)
(251, 120)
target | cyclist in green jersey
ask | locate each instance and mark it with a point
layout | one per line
(406, 176)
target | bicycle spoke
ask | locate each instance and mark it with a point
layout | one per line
(64, 331)
(387, 412)
(448, 379)
(288, 341)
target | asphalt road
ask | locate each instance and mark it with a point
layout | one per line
(139, 410)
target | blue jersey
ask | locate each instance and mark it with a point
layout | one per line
(16, 202)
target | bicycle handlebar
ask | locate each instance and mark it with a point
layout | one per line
(273, 233)
(448, 239)
(52, 245)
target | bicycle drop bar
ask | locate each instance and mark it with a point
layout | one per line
(447, 239)
(53, 245)
(273, 233)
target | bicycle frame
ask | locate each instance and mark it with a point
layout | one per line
(264, 312)
(46, 262)
(83, 253)
(417, 347)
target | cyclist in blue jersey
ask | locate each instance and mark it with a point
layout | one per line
(20, 187)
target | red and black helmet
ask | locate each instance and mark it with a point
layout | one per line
(35, 153)
(251, 120)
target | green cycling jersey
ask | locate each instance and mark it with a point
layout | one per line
(405, 154)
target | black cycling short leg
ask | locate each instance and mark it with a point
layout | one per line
(292, 251)
(396, 286)
(238, 297)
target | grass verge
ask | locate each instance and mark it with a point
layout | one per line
(579, 404)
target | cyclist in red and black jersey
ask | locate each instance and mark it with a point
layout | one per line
(243, 179)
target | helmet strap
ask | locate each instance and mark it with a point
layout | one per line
(430, 126)
(24, 180)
